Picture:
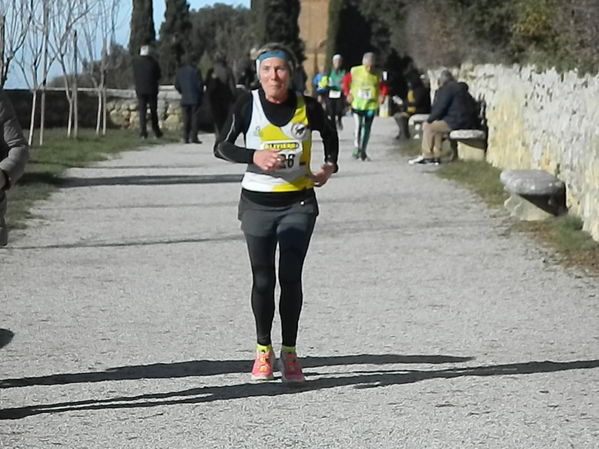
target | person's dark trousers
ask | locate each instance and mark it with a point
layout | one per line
(219, 115)
(401, 118)
(143, 101)
(336, 110)
(190, 122)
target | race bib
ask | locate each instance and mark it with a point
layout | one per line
(289, 151)
(365, 93)
(334, 94)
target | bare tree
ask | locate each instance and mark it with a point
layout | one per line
(45, 29)
(99, 28)
(63, 44)
(30, 57)
(15, 22)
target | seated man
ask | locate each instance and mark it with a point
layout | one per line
(453, 108)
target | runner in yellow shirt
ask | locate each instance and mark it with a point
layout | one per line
(365, 91)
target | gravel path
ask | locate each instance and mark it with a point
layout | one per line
(426, 323)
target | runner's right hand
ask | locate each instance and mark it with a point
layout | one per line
(268, 160)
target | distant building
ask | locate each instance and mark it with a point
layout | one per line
(313, 25)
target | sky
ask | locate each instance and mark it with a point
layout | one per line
(122, 35)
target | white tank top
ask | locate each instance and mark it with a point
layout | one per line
(293, 140)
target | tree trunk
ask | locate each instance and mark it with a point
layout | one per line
(104, 111)
(99, 112)
(32, 121)
(42, 113)
(44, 75)
(2, 21)
(75, 89)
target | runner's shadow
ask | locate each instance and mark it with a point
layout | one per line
(215, 367)
(5, 337)
(240, 391)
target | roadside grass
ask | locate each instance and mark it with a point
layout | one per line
(59, 153)
(480, 177)
(564, 235)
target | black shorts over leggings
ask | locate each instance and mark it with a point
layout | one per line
(290, 227)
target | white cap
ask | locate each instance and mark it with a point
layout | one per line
(337, 56)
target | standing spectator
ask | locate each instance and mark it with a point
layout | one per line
(14, 153)
(335, 102)
(418, 101)
(220, 89)
(453, 108)
(188, 82)
(365, 91)
(146, 73)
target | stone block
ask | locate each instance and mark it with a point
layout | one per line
(417, 119)
(468, 134)
(469, 152)
(533, 189)
(531, 182)
(525, 210)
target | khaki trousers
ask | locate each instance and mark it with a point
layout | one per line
(432, 138)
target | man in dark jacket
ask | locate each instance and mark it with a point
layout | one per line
(453, 108)
(220, 89)
(14, 153)
(188, 82)
(146, 73)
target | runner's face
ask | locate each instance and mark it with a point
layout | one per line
(274, 78)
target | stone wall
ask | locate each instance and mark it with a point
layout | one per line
(543, 120)
(121, 106)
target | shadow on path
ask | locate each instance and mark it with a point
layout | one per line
(216, 367)
(167, 241)
(5, 337)
(143, 180)
(246, 390)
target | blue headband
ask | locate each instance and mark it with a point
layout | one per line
(274, 54)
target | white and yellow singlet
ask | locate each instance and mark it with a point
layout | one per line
(293, 141)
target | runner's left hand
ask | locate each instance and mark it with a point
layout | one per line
(321, 177)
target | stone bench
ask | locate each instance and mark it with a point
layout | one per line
(415, 121)
(534, 194)
(466, 144)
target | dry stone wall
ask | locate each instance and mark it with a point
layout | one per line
(543, 120)
(121, 106)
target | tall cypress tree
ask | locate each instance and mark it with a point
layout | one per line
(174, 36)
(276, 21)
(142, 25)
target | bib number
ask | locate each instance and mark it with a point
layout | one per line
(289, 159)
(289, 152)
(334, 94)
(365, 94)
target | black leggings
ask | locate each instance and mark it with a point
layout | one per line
(292, 233)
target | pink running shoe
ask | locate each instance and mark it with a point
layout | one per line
(291, 370)
(262, 369)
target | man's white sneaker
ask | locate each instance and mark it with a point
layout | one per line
(416, 160)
